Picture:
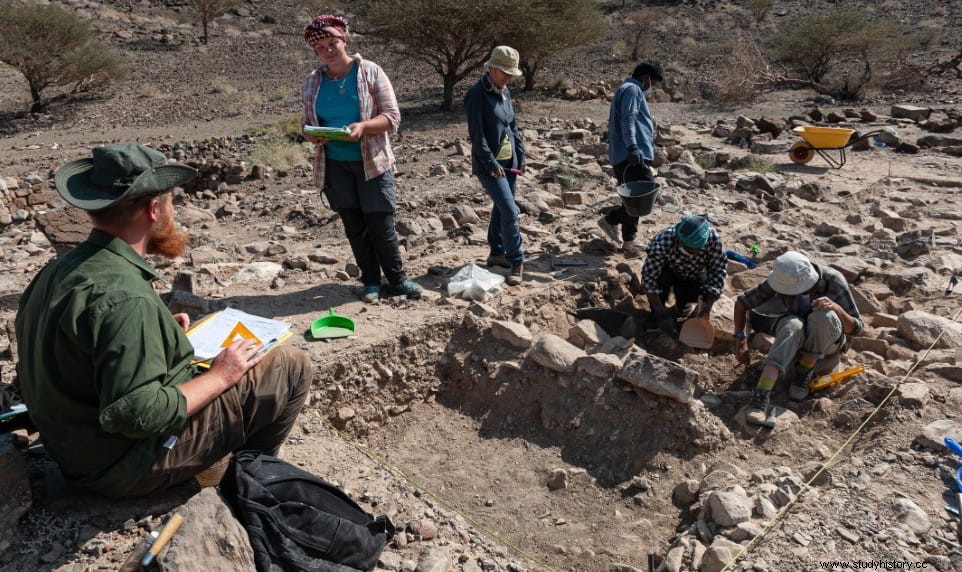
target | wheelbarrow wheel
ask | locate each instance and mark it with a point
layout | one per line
(801, 153)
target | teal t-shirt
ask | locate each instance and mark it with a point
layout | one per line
(337, 105)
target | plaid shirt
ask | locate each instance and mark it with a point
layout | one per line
(830, 283)
(376, 97)
(708, 265)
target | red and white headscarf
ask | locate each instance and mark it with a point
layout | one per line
(325, 26)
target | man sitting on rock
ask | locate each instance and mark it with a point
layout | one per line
(810, 311)
(104, 367)
(687, 259)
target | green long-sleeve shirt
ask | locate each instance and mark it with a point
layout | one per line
(100, 359)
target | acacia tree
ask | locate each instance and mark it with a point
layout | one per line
(453, 37)
(541, 28)
(207, 10)
(843, 45)
(52, 47)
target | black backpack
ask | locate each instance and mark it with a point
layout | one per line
(296, 521)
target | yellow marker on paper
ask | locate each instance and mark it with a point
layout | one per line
(239, 331)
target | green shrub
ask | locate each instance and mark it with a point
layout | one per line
(54, 48)
(279, 153)
(289, 128)
(759, 165)
(838, 50)
(759, 9)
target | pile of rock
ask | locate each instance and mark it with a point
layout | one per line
(20, 198)
(729, 508)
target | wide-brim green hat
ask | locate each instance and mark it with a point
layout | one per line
(118, 173)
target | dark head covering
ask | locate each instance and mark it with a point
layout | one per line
(693, 231)
(118, 173)
(325, 26)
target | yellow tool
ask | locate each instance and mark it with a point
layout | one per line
(826, 381)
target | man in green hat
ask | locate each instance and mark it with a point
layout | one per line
(106, 370)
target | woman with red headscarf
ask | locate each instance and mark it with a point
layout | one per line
(356, 174)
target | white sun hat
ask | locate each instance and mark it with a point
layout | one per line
(792, 274)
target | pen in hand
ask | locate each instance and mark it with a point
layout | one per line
(264, 349)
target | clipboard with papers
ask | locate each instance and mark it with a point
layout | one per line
(332, 133)
(215, 332)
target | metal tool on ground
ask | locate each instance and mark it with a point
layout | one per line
(822, 139)
(132, 563)
(833, 379)
(331, 326)
(562, 264)
(165, 535)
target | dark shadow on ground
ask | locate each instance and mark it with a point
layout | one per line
(603, 425)
(801, 169)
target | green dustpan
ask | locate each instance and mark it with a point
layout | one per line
(333, 325)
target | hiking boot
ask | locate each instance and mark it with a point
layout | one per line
(516, 275)
(498, 260)
(631, 249)
(610, 230)
(214, 474)
(758, 407)
(798, 390)
(407, 288)
(371, 294)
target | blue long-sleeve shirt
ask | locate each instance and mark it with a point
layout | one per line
(630, 123)
(491, 119)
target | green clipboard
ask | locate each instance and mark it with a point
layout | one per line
(332, 133)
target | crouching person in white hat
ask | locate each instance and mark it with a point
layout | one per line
(810, 311)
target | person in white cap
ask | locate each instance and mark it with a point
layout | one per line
(809, 309)
(498, 156)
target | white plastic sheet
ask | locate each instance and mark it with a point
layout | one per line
(472, 282)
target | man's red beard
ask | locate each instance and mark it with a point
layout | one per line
(167, 240)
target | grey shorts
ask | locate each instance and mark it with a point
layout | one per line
(345, 188)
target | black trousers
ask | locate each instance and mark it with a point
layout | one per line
(374, 242)
(625, 173)
(685, 291)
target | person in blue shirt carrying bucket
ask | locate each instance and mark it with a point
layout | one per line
(631, 147)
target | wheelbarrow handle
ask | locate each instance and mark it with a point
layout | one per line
(863, 137)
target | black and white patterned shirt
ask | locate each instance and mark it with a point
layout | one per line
(708, 265)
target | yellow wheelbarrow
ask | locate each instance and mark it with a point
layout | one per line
(822, 139)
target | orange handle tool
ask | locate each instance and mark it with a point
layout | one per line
(826, 381)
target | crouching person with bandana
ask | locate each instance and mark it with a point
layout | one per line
(105, 369)
(686, 259)
(809, 309)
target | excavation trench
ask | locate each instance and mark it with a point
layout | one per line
(480, 425)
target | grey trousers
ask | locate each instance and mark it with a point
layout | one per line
(820, 334)
(257, 413)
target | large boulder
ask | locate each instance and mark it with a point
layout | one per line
(210, 539)
(920, 329)
(660, 376)
(556, 354)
